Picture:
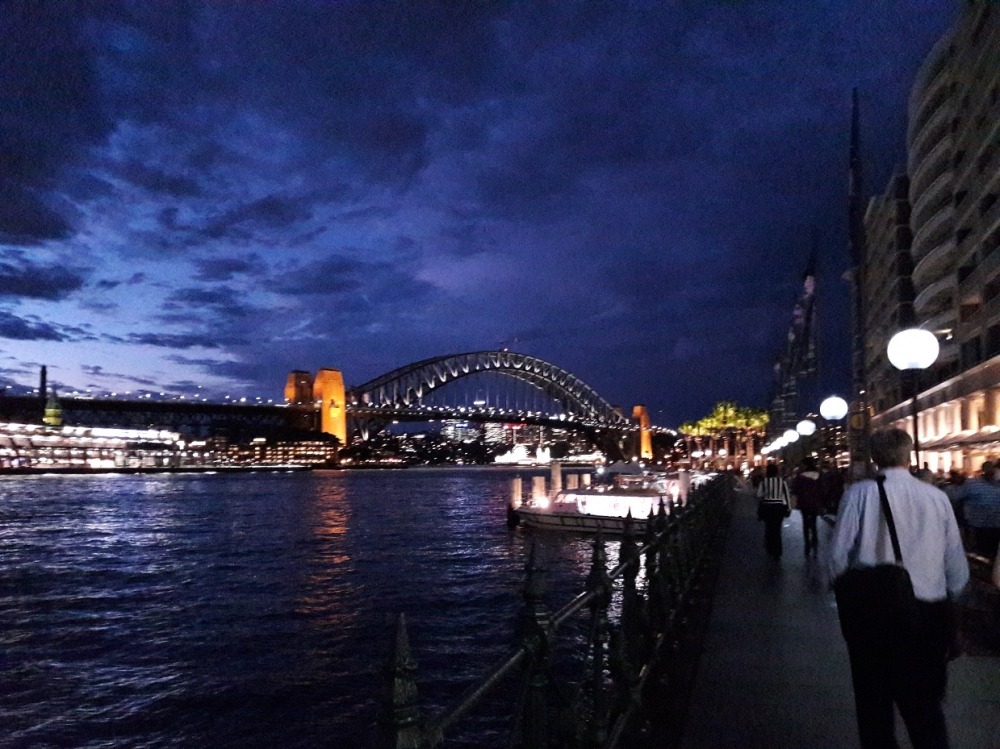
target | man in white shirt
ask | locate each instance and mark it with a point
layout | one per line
(933, 555)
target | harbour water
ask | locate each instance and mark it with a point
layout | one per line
(253, 610)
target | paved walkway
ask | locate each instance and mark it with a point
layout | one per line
(774, 672)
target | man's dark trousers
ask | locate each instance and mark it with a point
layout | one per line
(910, 672)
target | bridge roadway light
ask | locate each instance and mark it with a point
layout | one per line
(790, 436)
(806, 427)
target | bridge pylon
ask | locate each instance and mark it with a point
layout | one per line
(327, 389)
(640, 415)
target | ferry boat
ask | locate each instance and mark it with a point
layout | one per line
(618, 494)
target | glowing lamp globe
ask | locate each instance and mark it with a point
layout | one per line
(913, 349)
(833, 408)
(805, 427)
(790, 435)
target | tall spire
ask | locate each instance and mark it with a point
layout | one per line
(858, 437)
(855, 189)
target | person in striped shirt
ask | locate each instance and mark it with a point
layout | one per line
(773, 508)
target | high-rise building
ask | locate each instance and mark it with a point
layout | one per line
(888, 289)
(953, 163)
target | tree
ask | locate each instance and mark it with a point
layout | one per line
(732, 423)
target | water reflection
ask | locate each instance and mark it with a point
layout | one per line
(252, 610)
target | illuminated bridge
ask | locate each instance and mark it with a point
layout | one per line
(482, 386)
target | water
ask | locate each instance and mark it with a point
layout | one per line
(253, 610)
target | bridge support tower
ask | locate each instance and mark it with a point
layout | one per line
(640, 415)
(327, 390)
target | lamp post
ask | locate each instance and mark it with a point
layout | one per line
(832, 409)
(911, 351)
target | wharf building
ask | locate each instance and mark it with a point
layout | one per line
(932, 252)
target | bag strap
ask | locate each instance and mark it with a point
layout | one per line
(888, 518)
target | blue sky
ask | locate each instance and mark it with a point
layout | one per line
(213, 194)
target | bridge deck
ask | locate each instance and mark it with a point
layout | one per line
(774, 671)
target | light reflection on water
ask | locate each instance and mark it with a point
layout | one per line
(252, 610)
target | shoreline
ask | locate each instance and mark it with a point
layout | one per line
(87, 471)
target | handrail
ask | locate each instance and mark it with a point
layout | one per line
(676, 550)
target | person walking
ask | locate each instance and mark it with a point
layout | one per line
(773, 507)
(831, 482)
(978, 507)
(886, 667)
(808, 493)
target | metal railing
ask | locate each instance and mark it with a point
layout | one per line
(627, 659)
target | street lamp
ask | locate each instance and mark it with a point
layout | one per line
(911, 351)
(806, 427)
(833, 408)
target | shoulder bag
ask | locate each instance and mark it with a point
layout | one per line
(876, 604)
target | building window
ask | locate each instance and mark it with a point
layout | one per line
(993, 341)
(971, 353)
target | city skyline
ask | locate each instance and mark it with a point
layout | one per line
(210, 195)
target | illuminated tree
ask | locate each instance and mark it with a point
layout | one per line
(731, 423)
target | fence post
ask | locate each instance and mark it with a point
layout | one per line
(599, 582)
(632, 614)
(534, 633)
(400, 717)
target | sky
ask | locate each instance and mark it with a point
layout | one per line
(213, 194)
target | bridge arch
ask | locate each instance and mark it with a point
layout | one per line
(404, 387)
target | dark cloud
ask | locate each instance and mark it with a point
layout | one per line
(99, 376)
(21, 278)
(25, 329)
(332, 275)
(271, 212)
(227, 268)
(176, 340)
(220, 300)
(158, 181)
(49, 112)
(24, 217)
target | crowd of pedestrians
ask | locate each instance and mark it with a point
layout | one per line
(942, 521)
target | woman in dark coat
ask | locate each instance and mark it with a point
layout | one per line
(808, 493)
(773, 508)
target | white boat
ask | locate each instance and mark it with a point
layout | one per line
(605, 505)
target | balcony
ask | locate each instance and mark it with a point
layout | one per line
(925, 171)
(938, 261)
(936, 128)
(937, 195)
(928, 234)
(928, 301)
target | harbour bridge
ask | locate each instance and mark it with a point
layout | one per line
(482, 386)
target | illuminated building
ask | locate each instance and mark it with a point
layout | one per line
(37, 446)
(460, 431)
(953, 147)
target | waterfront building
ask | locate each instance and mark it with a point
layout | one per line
(41, 446)
(320, 452)
(458, 430)
(888, 288)
(953, 165)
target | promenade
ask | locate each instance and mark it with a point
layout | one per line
(774, 671)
